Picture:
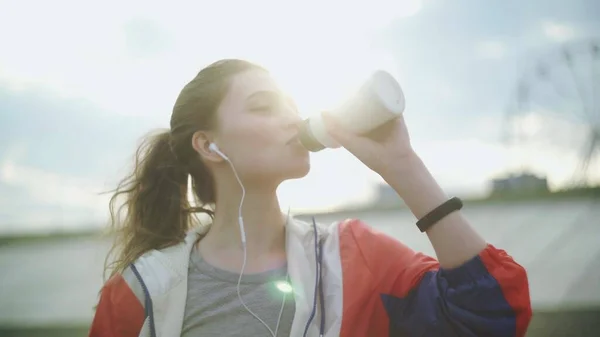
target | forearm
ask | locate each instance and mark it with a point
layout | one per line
(453, 238)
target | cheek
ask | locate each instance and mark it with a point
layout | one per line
(251, 138)
(251, 142)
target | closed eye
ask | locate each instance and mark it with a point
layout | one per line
(263, 108)
(271, 102)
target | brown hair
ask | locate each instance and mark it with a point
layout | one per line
(149, 208)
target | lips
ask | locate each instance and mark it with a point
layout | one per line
(293, 140)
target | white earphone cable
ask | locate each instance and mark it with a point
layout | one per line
(243, 237)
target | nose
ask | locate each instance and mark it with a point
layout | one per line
(296, 119)
(292, 118)
(294, 122)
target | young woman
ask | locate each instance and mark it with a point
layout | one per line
(172, 277)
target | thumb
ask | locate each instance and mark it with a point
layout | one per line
(335, 130)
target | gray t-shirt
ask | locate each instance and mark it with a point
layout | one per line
(214, 309)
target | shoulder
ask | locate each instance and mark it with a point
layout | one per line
(379, 252)
(120, 308)
(372, 242)
(161, 270)
(357, 232)
(124, 289)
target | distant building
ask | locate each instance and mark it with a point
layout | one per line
(519, 183)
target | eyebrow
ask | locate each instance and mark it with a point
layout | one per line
(268, 93)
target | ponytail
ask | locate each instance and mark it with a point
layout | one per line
(149, 208)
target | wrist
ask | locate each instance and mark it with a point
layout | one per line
(402, 170)
(399, 164)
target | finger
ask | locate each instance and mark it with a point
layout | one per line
(335, 130)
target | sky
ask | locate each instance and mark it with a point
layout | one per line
(82, 81)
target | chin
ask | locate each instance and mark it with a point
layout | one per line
(298, 170)
(302, 173)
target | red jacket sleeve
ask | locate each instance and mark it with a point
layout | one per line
(486, 296)
(119, 312)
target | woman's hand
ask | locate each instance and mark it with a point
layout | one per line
(382, 150)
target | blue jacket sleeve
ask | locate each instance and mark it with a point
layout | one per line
(486, 296)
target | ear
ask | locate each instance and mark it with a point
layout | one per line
(200, 142)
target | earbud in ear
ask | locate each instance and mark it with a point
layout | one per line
(214, 148)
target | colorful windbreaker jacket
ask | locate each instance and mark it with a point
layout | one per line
(348, 279)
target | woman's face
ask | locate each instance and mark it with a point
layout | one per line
(257, 128)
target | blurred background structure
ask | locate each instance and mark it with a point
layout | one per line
(503, 105)
(557, 105)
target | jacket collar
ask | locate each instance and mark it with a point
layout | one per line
(297, 232)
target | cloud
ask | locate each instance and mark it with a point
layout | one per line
(65, 134)
(48, 187)
(551, 144)
(56, 155)
(557, 31)
(465, 165)
(73, 201)
(491, 49)
(145, 38)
